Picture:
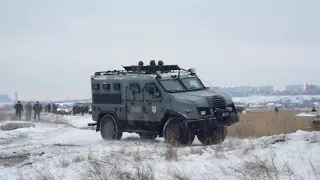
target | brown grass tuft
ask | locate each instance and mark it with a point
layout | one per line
(6, 115)
(114, 166)
(258, 124)
(171, 153)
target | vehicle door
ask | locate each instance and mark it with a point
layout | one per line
(134, 102)
(153, 102)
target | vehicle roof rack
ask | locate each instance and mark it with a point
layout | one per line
(152, 68)
(114, 72)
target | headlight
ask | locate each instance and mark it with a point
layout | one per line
(67, 110)
(58, 109)
(229, 108)
(203, 113)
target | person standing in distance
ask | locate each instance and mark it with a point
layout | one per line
(49, 108)
(19, 110)
(28, 111)
(37, 109)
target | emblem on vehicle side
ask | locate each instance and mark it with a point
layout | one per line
(154, 109)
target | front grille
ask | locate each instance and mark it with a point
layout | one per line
(218, 102)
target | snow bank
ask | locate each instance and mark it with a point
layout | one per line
(80, 121)
(11, 125)
(305, 115)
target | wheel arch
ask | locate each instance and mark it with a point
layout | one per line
(168, 114)
(171, 114)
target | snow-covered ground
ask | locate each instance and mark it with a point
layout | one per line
(265, 99)
(72, 151)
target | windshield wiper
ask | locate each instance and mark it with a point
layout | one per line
(176, 90)
(196, 89)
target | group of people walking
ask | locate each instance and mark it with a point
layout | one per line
(36, 108)
(83, 109)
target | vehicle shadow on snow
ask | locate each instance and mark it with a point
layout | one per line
(138, 139)
(158, 141)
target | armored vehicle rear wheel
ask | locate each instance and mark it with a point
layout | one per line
(212, 136)
(109, 129)
(176, 132)
(148, 135)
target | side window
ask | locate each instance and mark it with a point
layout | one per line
(135, 88)
(106, 87)
(152, 90)
(116, 86)
(96, 86)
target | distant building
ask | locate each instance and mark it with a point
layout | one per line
(266, 89)
(238, 91)
(5, 99)
(245, 89)
(294, 88)
(311, 89)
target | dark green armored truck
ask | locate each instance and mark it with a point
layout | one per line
(159, 100)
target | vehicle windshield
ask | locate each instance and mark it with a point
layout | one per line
(172, 85)
(192, 84)
(177, 85)
(63, 107)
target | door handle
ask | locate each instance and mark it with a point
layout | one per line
(149, 103)
(132, 102)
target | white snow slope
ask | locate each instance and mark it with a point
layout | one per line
(59, 151)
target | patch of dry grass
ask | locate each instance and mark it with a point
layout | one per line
(114, 166)
(53, 119)
(171, 153)
(259, 168)
(6, 115)
(258, 124)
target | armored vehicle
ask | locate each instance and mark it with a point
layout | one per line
(159, 100)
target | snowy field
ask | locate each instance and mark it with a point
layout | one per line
(265, 99)
(70, 150)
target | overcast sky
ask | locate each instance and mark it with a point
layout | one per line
(49, 49)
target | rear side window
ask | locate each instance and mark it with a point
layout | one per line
(106, 87)
(96, 86)
(135, 88)
(116, 86)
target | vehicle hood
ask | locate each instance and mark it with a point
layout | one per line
(200, 97)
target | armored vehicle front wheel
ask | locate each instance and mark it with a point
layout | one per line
(212, 136)
(176, 132)
(148, 135)
(109, 129)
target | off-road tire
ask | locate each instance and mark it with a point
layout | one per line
(109, 129)
(151, 136)
(212, 136)
(176, 133)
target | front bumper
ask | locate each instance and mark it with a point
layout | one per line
(214, 121)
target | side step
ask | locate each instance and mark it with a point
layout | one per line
(92, 124)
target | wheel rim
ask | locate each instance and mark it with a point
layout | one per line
(108, 129)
